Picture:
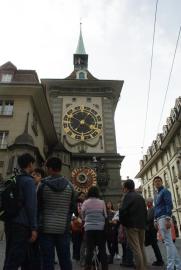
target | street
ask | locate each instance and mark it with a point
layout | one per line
(114, 266)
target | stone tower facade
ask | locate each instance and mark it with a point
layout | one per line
(83, 109)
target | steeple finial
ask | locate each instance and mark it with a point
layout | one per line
(80, 47)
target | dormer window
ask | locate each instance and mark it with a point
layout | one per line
(6, 78)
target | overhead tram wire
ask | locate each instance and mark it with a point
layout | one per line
(150, 76)
(169, 78)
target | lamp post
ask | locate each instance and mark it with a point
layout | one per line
(102, 175)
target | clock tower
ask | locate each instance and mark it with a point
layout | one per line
(83, 109)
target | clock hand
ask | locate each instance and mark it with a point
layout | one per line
(75, 118)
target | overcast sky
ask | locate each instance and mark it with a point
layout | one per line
(43, 34)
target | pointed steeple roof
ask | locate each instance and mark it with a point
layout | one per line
(25, 137)
(80, 46)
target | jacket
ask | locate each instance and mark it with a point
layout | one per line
(28, 214)
(133, 213)
(55, 205)
(163, 203)
(94, 214)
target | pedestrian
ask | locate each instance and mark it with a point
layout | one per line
(94, 215)
(151, 234)
(22, 228)
(127, 254)
(112, 229)
(55, 206)
(34, 261)
(77, 227)
(163, 222)
(132, 216)
(38, 174)
(116, 221)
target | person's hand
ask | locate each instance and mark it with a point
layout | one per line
(33, 237)
(168, 224)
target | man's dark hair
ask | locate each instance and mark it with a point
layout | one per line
(24, 160)
(54, 163)
(129, 184)
(157, 177)
(93, 192)
(40, 171)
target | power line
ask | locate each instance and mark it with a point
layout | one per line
(150, 75)
(169, 78)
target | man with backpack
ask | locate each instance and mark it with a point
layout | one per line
(133, 216)
(55, 207)
(21, 223)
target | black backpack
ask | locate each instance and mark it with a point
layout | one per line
(10, 198)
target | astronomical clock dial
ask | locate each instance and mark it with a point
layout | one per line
(83, 179)
(82, 123)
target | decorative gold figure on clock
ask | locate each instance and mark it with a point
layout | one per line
(82, 123)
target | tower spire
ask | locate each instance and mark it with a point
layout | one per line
(80, 56)
(80, 46)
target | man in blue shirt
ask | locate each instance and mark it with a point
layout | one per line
(162, 214)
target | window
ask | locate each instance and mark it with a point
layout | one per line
(11, 165)
(88, 99)
(145, 194)
(179, 169)
(6, 107)
(162, 160)
(156, 167)
(81, 75)
(6, 78)
(3, 139)
(178, 195)
(166, 180)
(174, 174)
(149, 192)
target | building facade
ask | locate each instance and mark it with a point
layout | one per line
(163, 158)
(26, 123)
(72, 118)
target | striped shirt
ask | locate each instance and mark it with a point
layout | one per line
(94, 213)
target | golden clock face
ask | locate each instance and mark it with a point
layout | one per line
(83, 179)
(82, 123)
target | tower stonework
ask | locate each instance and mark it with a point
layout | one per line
(83, 110)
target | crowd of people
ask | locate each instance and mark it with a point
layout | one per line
(52, 214)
